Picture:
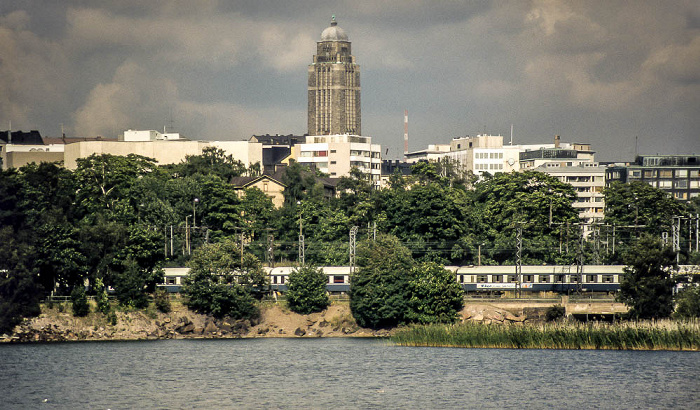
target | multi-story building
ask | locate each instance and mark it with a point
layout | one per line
(588, 181)
(163, 148)
(679, 175)
(18, 148)
(483, 153)
(563, 154)
(334, 86)
(336, 155)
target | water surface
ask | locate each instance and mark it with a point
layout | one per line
(338, 373)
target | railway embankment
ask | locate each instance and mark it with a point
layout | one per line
(56, 323)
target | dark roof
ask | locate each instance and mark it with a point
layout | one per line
(70, 140)
(22, 138)
(288, 140)
(246, 181)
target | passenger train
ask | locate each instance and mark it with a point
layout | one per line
(474, 279)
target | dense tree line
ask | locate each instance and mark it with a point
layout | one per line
(120, 220)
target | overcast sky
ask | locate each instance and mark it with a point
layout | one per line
(604, 72)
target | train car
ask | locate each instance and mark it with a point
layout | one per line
(474, 279)
(539, 278)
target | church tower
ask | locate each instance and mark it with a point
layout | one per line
(334, 86)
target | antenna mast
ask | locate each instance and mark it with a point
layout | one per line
(511, 134)
(405, 135)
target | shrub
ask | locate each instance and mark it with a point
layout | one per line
(101, 297)
(161, 299)
(307, 290)
(379, 289)
(435, 295)
(130, 286)
(688, 303)
(554, 313)
(81, 306)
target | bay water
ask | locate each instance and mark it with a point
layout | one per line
(338, 373)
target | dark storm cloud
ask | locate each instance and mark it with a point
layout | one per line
(600, 72)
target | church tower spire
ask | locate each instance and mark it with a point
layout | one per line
(334, 86)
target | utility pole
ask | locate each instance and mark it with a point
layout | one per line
(353, 248)
(579, 265)
(676, 237)
(271, 250)
(519, 262)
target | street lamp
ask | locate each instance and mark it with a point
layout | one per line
(194, 212)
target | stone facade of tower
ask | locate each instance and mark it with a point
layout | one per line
(334, 86)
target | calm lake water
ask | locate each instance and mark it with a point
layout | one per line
(338, 373)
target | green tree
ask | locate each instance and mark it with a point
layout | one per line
(647, 286)
(213, 161)
(212, 285)
(379, 291)
(78, 298)
(19, 290)
(306, 291)
(435, 295)
(101, 297)
(507, 201)
(130, 285)
(638, 203)
(688, 303)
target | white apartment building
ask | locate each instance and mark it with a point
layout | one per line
(337, 154)
(483, 153)
(589, 181)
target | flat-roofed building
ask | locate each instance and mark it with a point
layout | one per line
(336, 155)
(679, 175)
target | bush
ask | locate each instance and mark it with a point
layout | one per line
(161, 298)
(81, 306)
(688, 303)
(307, 290)
(101, 297)
(554, 313)
(130, 286)
(379, 289)
(435, 295)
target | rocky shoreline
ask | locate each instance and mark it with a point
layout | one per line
(336, 321)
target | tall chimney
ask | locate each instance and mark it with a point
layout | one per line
(557, 141)
(405, 134)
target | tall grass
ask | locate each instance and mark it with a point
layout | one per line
(660, 335)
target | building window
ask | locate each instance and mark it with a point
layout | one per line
(681, 184)
(332, 151)
(665, 173)
(681, 173)
(332, 162)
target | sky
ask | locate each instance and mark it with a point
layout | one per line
(623, 76)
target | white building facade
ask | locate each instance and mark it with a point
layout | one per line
(336, 155)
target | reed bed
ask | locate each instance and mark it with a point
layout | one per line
(657, 335)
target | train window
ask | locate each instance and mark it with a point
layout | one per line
(559, 278)
(544, 278)
(171, 281)
(281, 280)
(481, 279)
(591, 278)
(511, 278)
(497, 278)
(461, 278)
(338, 279)
(528, 278)
(274, 280)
